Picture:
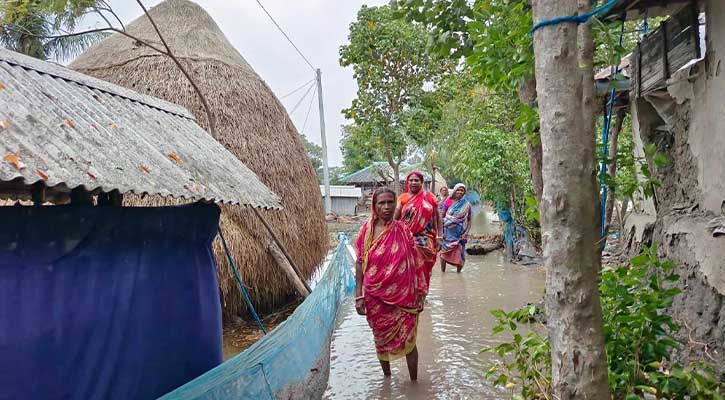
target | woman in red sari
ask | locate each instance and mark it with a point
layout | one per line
(418, 208)
(387, 284)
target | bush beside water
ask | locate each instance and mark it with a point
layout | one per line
(640, 338)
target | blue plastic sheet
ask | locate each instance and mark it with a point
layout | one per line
(473, 197)
(106, 302)
(504, 215)
(290, 362)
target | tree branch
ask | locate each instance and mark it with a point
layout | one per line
(204, 102)
(105, 7)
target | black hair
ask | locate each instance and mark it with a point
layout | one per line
(383, 190)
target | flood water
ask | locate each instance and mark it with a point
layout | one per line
(455, 325)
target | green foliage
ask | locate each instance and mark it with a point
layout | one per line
(336, 175)
(486, 146)
(492, 35)
(390, 64)
(314, 153)
(639, 335)
(640, 338)
(493, 161)
(532, 210)
(37, 27)
(524, 363)
(357, 152)
(503, 49)
(634, 176)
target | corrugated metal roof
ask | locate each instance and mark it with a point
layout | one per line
(374, 173)
(72, 130)
(640, 9)
(342, 191)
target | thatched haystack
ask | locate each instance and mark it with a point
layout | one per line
(251, 123)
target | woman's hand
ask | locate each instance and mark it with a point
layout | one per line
(421, 302)
(464, 237)
(360, 306)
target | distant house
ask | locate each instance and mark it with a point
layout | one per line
(380, 174)
(344, 199)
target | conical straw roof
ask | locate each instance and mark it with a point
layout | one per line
(251, 123)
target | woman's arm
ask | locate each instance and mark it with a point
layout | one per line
(438, 225)
(359, 300)
(468, 225)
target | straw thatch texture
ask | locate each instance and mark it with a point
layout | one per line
(251, 123)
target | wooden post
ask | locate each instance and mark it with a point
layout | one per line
(282, 248)
(38, 194)
(638, 67)
(287, 268)
(665, 50)
(695, 26)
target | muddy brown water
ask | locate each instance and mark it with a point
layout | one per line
(454, 327)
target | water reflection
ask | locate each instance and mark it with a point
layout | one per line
(455, 326)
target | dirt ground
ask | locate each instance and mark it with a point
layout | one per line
(239, 334)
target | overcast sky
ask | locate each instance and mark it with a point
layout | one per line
(318, 27)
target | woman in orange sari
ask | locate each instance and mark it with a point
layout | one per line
(387, 284)
(418, 208)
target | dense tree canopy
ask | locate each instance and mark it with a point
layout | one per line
(391, 66)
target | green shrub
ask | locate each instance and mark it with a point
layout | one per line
(639, 340)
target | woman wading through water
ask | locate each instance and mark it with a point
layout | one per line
(389, 287)
(418, 208)
(456, 226)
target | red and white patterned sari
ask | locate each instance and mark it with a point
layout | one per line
(391, 287)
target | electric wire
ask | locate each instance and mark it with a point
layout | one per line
(285, 34)
(301, 100)
(309, 109)
(304, 85)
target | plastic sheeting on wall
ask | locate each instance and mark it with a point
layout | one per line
(106, 302)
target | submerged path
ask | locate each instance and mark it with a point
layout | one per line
(454, 327)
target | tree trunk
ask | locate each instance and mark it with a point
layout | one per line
(433, 179)
(569, 212)
(395, 166)
(612, 168)
(527, 95)
(622, 216)
(533, 148)
(396, 176)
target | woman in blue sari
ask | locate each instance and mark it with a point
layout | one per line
(456, 226)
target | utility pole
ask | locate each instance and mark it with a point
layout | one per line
(325, 167)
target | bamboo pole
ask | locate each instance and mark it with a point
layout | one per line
(287, 267)
(279, 244)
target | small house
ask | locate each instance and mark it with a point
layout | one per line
(345, 199)
(380, 174)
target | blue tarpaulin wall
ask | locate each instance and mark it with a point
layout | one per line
(106, 302)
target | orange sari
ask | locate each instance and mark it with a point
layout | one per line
(418, 212)
(390, 287)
